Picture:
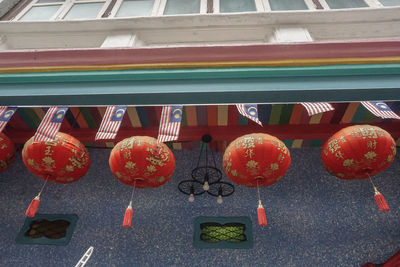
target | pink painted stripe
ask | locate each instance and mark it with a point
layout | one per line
(116, 56)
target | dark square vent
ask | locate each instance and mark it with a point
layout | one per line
(48, 229)
(223, 232)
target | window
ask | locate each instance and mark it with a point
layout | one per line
(390, 2)
(133, 8)
(173, 7)
(227, 6)
(337, 4)
(48, 229)
(41, 10)
(223, 232)
(287, 5)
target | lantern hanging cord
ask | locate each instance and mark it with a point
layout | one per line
(373, 185)
(258, 192)
(44, 184)
(133, 190)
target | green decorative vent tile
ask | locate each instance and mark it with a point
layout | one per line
(223, 232)
(48, 229)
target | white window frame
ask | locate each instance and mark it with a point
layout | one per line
(65, 7)
(370, 3)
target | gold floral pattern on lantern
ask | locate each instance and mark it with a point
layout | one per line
(251, 164)
(348, 162)
(151, 169)
(370, 155)
(274, 166)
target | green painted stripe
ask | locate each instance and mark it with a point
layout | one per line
(316, 143)
(88, 117)
(286, 113)
(242, 120)
(210, 91)
(359, 115)
(200, 73)
(368, 116)
(288, 143)
(184, 120)
(30, 117)
(275, 114)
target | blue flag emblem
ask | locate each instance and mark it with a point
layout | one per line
(381, 105)
(118, 114)
(59, 115)
(251, 110)
(6, 116)
(176, 114)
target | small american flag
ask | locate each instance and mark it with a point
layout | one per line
(50, 124)
(111, 122)
(317, 107)
(250, 111)
(170, 123)
(5, 115)
(380, 109)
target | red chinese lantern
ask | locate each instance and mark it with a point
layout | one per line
(64, 160)
(256, 159)
(7, 152)
(142, 162)
(359, 152)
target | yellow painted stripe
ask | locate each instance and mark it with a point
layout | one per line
(217, 64)
(297, 143)
(177, 146)
(39, 112)
(109, 144)
(222, 115)
(133, 117)
(349, 113)
(315, 119)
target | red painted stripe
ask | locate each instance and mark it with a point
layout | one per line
(212, 115)
(297, 112)
(17, 122)
(115, 56)
(340, 109)
(158, 111)
(232, 115)
(152, 116)
(327, 116)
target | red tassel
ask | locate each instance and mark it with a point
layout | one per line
(128, 217)
(33, 207)
(381, 202)
(262, 218)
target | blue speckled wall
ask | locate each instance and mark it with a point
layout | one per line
(313, 219)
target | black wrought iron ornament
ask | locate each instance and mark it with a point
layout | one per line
(206, 177)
